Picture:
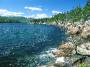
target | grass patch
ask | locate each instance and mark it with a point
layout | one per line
(84, 65)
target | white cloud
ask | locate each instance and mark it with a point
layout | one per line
(56, 12)
(34, 8)
(5, 12)
(36, 16)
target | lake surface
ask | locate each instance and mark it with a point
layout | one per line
(28, 45)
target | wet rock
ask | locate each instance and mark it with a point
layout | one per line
(68, 48)
(67, 45)
(58, 53)
(42, 66)
(52, 65)
(59, 65)
(60, 60)
(63, 62)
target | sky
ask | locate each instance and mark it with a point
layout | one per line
(37, 8)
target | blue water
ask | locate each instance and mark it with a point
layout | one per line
(22, 44)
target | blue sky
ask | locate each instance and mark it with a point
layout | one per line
(37, 8)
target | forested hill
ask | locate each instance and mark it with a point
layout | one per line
(76, 14)
(14, 20)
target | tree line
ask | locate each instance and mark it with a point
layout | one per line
(76, 14)
(4, 19)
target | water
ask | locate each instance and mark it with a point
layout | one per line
(28, 45)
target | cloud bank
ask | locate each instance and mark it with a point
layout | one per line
(5, 12)
(56, 12)
(34, 8)
(37, 16)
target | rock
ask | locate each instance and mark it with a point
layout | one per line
(77, 59)
(68, 25)
(63, 62)
(83, 46)
(42, 66)
(73, 52)
(48, 65)
(87, 46)
(67, 45)
(52, 66)
(84, 49)
(66, 49)
(85, 32)
(87, 22)
(59, 53)
(68, 62)
(81, 26)
(58, 65)
(60, 60)
(73, 30)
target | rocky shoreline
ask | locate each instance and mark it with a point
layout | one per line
(76, 51)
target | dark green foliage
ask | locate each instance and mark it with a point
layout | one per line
(14, 20)
(77, 14)
(7, 20)
(86, 11)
